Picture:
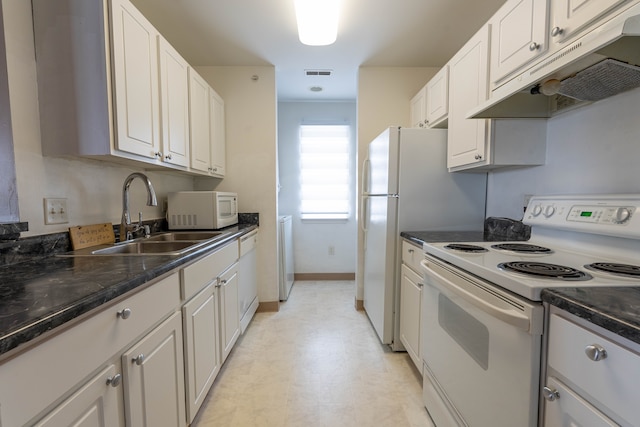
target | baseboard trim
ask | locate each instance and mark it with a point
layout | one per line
(359, 304)
(268, 306)
(324, 276)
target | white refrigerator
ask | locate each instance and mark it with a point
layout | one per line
(406, 187)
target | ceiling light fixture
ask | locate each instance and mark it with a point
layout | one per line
(317, 21)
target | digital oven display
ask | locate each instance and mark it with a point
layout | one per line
(586, 214)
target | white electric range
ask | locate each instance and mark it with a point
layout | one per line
(483, 319)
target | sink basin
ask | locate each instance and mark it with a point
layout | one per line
(185, 235)
(147, 247)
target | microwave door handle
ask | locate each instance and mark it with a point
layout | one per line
(511, 317)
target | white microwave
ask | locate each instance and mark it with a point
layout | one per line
(204, 210)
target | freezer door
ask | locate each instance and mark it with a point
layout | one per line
(381, 238)
(383, 163)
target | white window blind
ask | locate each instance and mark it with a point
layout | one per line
(324, 171)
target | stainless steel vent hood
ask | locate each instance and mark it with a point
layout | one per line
(601, 63)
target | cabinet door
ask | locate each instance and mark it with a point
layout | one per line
(135, 75)
(518, 35)
(96, 404)
(569, 409)
(202, 355)
(217, 132)
(199, 122)
(467, 138)
(410, 304)
(154, 377)
(418, 109)
(437, 104)
(174, 95)
(569, 16)
(229, 320)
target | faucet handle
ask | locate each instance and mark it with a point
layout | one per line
(139, 219)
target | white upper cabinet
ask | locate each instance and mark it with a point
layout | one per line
(518, 35)
(569, 16)
(174, 105)
(207, 127)
(418, 106)
(218, 134)
(437, 104)
(135, 72)
(199, 119)
(467, 88)
(111, 88)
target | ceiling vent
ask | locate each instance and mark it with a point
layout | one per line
(325, 73)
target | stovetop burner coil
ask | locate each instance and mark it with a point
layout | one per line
(543, 270)
(522, 248)
(463, 247)
(625, 270)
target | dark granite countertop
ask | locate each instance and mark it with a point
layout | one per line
(614, 309)
(39, 295)
(420, 237)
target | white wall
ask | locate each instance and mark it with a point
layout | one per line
(93, 189)
(311, 240)
(251, 118)
(594, 149)
(384, 94)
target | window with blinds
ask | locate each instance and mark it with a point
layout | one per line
(324, 172)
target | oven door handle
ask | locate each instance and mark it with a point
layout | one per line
(513, 317)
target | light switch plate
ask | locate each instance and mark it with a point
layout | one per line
(55, 211)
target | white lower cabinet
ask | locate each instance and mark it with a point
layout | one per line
(211, 327)
(95, 404)
(229, 320)
(201, 346)
(592, 375)
(247, 279)
(153, 372)
(411, 302)
(149, 359)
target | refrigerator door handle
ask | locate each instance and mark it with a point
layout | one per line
(365, 176)
(363, 219)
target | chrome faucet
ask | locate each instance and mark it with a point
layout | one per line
(126, 228)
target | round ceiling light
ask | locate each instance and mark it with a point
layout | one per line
(315, 89)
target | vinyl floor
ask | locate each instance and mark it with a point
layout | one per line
(317, 362)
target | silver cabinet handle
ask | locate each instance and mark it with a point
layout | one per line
(168, 157)
(550, 394)
(139, 360)
(158, 154)
(477, 157)
(411, 251)
(534, 46)
(124, 313)
(595, 352)
(556, 31)
(115, 380)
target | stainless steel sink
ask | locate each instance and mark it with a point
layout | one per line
(147, 247)
(185, 235)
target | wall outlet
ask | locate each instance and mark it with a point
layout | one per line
(55, 211)
(332, 250)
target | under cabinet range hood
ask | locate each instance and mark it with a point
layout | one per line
(601, 63)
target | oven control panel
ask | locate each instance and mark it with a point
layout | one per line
(615, 215)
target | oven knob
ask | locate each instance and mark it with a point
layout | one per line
(622, 215)
(537, 210)
(549, 211)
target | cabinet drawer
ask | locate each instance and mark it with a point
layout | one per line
(248, 242)
(612, 381)
(57, 365)
(412, 255)
(197, 275)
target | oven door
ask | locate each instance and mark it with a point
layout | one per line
(481, 351)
